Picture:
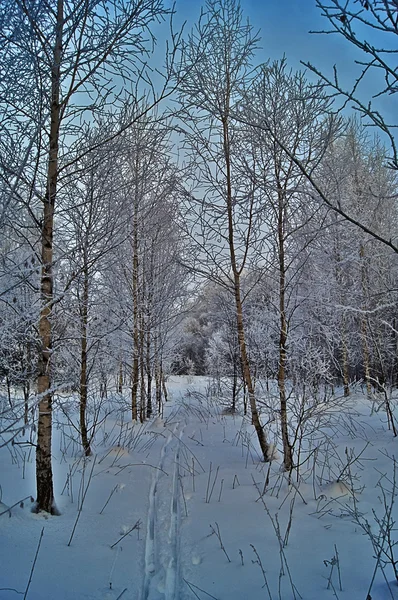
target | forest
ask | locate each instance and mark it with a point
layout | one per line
(198, 247)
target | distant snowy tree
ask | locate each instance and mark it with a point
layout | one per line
(151, 281)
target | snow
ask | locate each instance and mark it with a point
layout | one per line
(183, 513)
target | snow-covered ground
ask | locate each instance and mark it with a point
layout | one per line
(183, 508)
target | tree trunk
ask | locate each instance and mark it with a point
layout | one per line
(120, 378)
(103, 386)
(142, 371)
(365, 352)
(26, 393)
(234, 382)
(238, 300)
(364, 324)
(83, 367)
(163, 379)
(26, 387)
(158, 388)
(148, 373)
(44, 476)
(136, 340)
(344, 350)
(247, 375)
(344, 355)
(8, 384)
(287, 450)
(158, 376)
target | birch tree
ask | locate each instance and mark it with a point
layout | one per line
(358, 181)
(370, 26)
(150, 280)
(92, 230)
(59, 63)
(216, 63)
(297, 113)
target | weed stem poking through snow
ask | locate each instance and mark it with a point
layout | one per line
(34, 564)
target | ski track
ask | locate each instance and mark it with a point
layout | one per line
(173, 568)
(161, 578)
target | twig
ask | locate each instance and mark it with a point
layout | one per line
(139, 465)
(112, 569)
(16, 503)
(333, 589)
(218, 534)
(192, 585)
(183, 497)
(189, 450)
(283, 559)
(332, 564)
(135, 526)
(259, 562)
(221, 487)
(208, 484)
(289, 525)
(266, 482)
(82, 502)
(110, 496)
(214, 483)
(338, 567)
(34, 564)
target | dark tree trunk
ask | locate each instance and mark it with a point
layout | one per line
(136, 337)
(148, 373)
(287, 449)
(83, 366)
(44, 475)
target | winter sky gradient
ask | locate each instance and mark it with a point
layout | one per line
(285, 27)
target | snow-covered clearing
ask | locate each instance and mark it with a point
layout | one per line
(182, 508)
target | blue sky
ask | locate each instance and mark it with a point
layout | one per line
(285, 26)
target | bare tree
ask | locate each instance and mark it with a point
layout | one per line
(356, 20)
(216, 62)
(91, 229)
(297, 113)
(60, 61)
(353, 171)
(364, 24)
(149, 277)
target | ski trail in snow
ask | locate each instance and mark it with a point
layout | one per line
(155, 544)
(150, 557)
(172, 572)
